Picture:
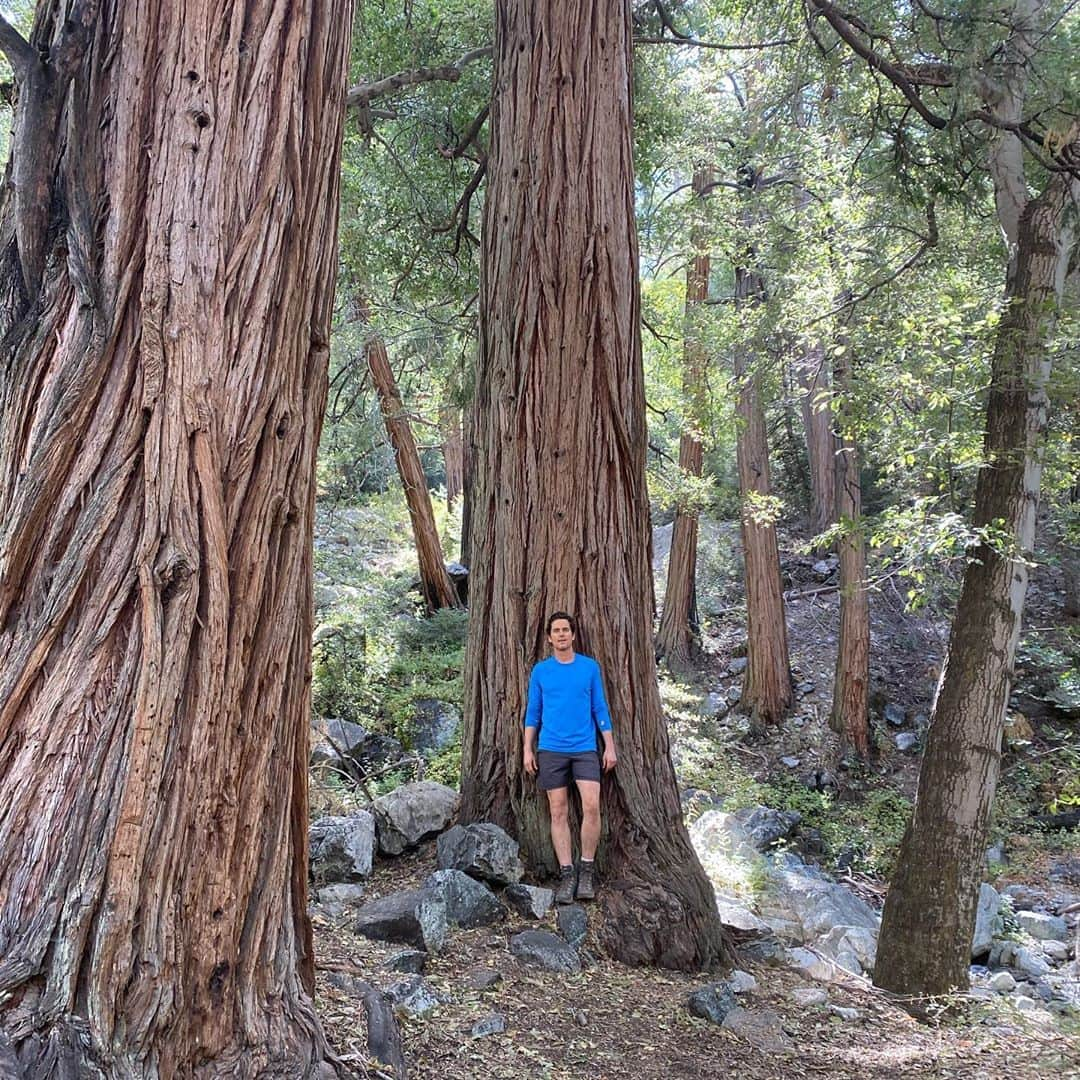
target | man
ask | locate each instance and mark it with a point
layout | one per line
(567, 705)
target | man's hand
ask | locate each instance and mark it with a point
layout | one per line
(530, 761)
(609, 757)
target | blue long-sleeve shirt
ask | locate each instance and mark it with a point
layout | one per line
(567, 704)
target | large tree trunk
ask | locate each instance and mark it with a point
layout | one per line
(926, 930)
(766, 689)
(561, 509)
(468, 470)
(435, 585)
(678, 628)
(851, 687)
(168, 269)
(820, 442)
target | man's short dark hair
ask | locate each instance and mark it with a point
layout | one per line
(555, 616)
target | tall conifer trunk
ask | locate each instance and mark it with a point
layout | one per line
(820, 441)
(561, 516)
(167, 260)
(679, 620)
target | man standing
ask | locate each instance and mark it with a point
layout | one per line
(567, 705)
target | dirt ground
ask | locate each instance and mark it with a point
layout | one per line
(617, 1023)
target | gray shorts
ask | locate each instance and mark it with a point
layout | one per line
(557, 770)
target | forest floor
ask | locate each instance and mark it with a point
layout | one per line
(611, 1021)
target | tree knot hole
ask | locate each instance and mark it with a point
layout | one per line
(217, 981)
(282, 427)
(173, 569)
(192, 76)
(202, 119)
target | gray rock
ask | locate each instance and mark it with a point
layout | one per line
(844, 1013)
(894, 715)
(1031, 962)
(761, 1028)
(809, 996)
(1043, 927)
(854, 948)
(715, 705)
(407, 814)
(1057, 951)
(531, 901)
(408, 961)
(1024, 1004)
(906, 741)
(342, 848)
(1002, 982)
(482, 978)
(495, 1024)
(995, 854)
(1024, 897)
(734, 694)
(413, 996)
(797, 894)
(546, 950)
(741, 982)
(791, 761)
(365, 749)
(824, 568)
(573, 923)
(712, 1002)
(469, 903)
(412, 917)
(765, 826)
(482, 850)
(434, 725)
(810, 964)
(341, 895)
(987, 920)
(805, 688)
(739, 917)
(737, 666)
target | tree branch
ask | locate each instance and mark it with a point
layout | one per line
(19, 52)
(742, 46)
(365, 93)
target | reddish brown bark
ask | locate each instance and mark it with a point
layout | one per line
(163, 350)
(561, 509)
(766, 689)
(678, 620)
(453, 452)
(851, 686)
(820, 441)
(435, 584)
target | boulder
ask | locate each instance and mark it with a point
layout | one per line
(987, 920)
(764, 826)
(408, 961)
(481, 850)
(341, 848)
(1043, 927)
(1031, 962)
(546, 950)
(434, 725)
(413, 996)
(482, 978)
(412, 917)
(531, 901)
(573, 923)
(469, 903)
(854, 948)
(495, 1024)
(894, 715)
(761, 1028)
(737, 916)
(712, 1002)
(721, 841)
(741, 982)
(799, 894)
(906, 741)
(807, 997)
(1002, 982)
(737, 666)
(407, 814)
(1057, 951)
(334, 899)
(810, 964)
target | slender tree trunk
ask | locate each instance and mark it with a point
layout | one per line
(453, 451)
(468, 457)
(851, 687)
(926, 931)
(435, 585)
(678, 628)
(820, 440)
(766, 690)
(561, 509)
(163, 370)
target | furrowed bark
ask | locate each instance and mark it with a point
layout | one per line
(820, 441)
(675, 637)
(453, 451)
(161, 396)
(561, 518)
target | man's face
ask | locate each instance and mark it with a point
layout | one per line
(561, 636)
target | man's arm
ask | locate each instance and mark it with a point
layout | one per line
(602, 719)
(533, 710)
(609, 750)
(530, 751)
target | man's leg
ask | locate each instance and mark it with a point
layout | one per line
(589, 790)
(559, 805)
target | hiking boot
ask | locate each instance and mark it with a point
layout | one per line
(564, 893)
(585, 888)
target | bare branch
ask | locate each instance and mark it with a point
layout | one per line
(741, 46)
(19, 52)
(469, 137)
(364, 93)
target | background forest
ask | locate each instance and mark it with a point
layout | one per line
(861, 421)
